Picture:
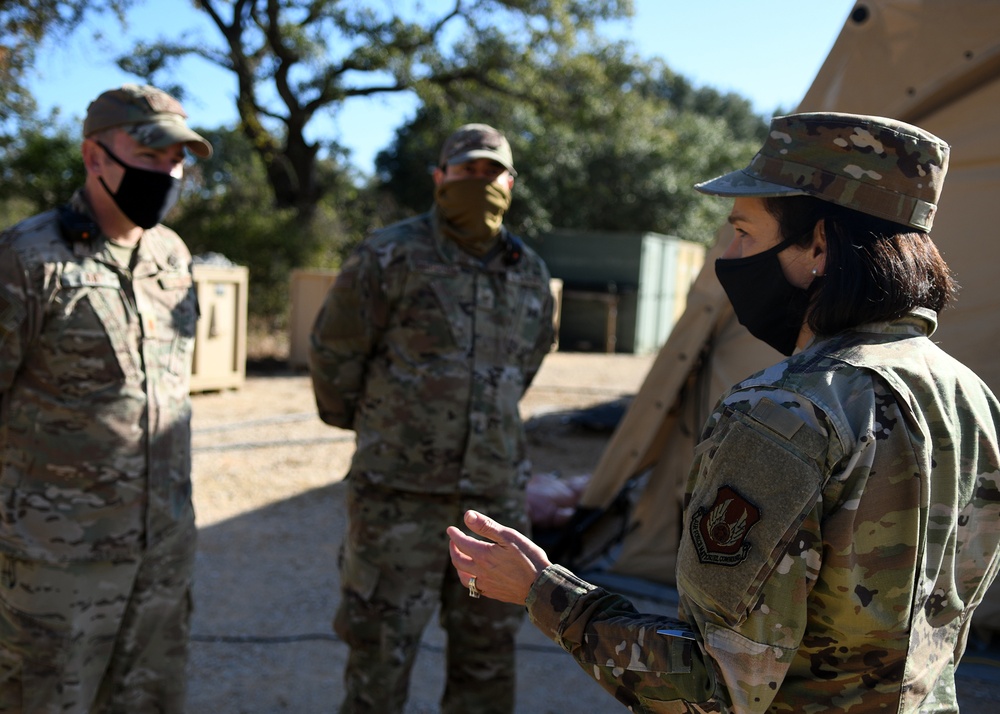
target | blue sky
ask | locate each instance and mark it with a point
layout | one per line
(766, 50)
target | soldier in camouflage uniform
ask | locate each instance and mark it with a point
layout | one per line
(431, 334)
(842, 516)
(97, 320)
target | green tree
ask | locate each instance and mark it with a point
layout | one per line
(227, 209)
(23, 25)
(614, 144)
(294, 59)
(40, 167)
(220, 210)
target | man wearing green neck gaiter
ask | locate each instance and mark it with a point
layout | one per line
(474, 179)
(426, 343)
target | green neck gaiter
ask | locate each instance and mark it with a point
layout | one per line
(470, 212)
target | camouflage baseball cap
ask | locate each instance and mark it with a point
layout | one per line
(477, 141)
(874, 165)
(147, 114)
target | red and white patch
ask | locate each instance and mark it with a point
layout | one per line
(720, 531)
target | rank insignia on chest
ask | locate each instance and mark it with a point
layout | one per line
(720, 530)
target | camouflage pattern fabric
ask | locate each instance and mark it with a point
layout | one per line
(477, 141)
(842, 524)
(394, 569)
(425, 351)
(97, 636)
(879, 166)
(95, 371)
(95, 362)
(147, 114)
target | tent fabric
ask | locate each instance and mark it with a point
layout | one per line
(928, 62)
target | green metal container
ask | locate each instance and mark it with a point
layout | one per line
(622, 292)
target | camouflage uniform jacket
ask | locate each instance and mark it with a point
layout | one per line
(425, 351)
(94, 376)
(842, 523)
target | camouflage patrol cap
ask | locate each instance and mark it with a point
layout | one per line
(147, 114)
(874, 165)
(477, 141)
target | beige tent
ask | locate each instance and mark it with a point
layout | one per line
(934, 63)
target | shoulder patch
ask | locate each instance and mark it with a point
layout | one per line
(720, 531)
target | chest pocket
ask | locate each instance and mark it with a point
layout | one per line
(454, 298)
(176, 303)
(758, 478)
(169, 307)
(432, 314)
(92, 334)
(528, 296)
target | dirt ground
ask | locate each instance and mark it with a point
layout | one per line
(269, 500)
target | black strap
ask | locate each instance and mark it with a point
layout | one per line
(76, 226)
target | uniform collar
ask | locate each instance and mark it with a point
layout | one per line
(152, 254)
(919, 322)
(450, 252)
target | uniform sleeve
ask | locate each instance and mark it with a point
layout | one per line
(647, 662)
(15, 327)
(749, 557)
(344, 336)
(752, 546)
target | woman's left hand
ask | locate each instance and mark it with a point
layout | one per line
(505, 568)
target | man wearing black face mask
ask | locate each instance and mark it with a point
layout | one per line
(97, 322)
(432, 332)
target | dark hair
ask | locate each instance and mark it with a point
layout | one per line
(876, 270)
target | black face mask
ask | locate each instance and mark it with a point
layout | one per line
(144, 196)
(770, 307)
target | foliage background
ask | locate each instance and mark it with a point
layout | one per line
(602, 139)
